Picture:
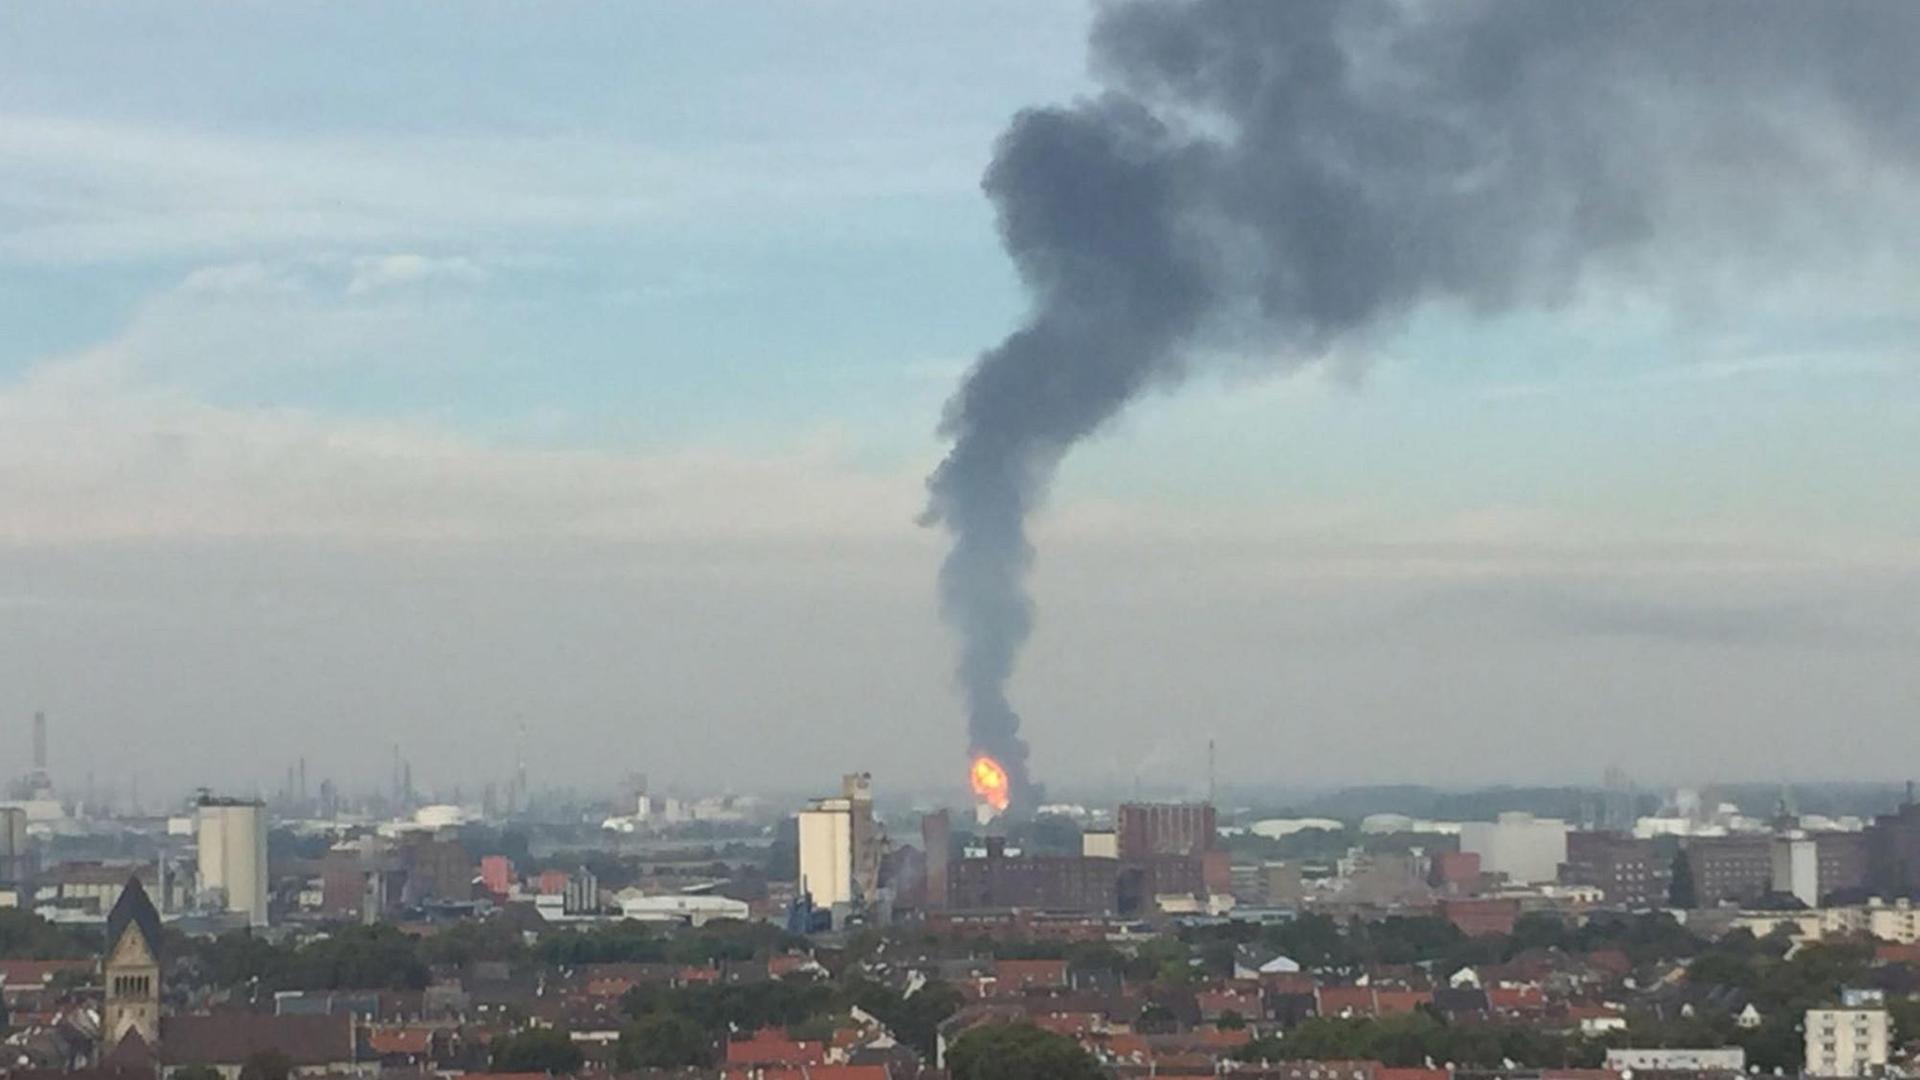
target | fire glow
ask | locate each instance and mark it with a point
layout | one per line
(989, 782)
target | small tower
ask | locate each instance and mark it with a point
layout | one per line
(131, 969)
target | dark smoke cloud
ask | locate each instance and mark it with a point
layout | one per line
(1287, 175)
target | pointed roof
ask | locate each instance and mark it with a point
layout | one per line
(134, 909)
(132, 1052)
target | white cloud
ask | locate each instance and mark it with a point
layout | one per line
(154, 464)
(373, 273)
(242, 279)
(81, 191)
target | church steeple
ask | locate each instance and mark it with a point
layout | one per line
(131, 969)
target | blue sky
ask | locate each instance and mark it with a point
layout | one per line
(308, 280)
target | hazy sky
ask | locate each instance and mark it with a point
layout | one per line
(375, 373)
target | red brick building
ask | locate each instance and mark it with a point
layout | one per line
(1477, 918)
(1149, 829)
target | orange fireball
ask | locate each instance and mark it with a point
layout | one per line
(989, 781)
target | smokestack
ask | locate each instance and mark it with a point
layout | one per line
(40, 742)
(1283, 180)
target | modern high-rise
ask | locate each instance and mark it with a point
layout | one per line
(1893, 853)
(1736, 869)
(232, 841)
(1628, 871)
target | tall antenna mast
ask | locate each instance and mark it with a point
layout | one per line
(520, 768)
(1210, 772)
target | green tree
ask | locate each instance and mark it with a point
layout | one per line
(1413, 1038)
(1682, 892)
(378, 957)
(1156, 1020)
(1163, 959)
(266, 1065)
(1019, 1052)
(544, 1050)
(465, 942)
(26, 936)
(1230, 1021)
(1315, 941)
(1264, 1048)
(663, 1041)
(914, 1020)
(239, 956)
(1905, 1013)
(736, 1006)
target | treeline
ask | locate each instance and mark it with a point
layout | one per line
(678, 1027)
(629, 942)
(26, 936)
(1318, 942)
(1321, 943)
(1418, 1038)
(1781, 988)
(383, 957)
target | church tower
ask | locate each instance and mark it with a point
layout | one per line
(131, 970)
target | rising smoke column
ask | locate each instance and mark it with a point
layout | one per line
(1281, 177)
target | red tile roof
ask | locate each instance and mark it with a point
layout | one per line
(400, 1040)
(770, 1047)
(1389, 1002)
(1071, 1023)
(21, 973)
(816, 1073)
(1386, 1073)
(1898, 954)
(1517, 998)
(1345, 1000)
(1019, 974)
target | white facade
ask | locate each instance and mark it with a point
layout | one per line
(1796, 869)
(1846, 1042)
(232, 838)
(695, 909)
(1897, 923)
(1281, 828)
(826, 851)
(1725, 1059)
(1100, 844)
(1528, 850)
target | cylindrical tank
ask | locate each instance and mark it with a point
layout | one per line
(232, 838)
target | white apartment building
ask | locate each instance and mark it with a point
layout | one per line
(1897, 923)
(1846, 1042)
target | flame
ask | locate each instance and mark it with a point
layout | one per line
(989, 781)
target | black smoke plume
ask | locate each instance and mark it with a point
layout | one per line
(1282, 177)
